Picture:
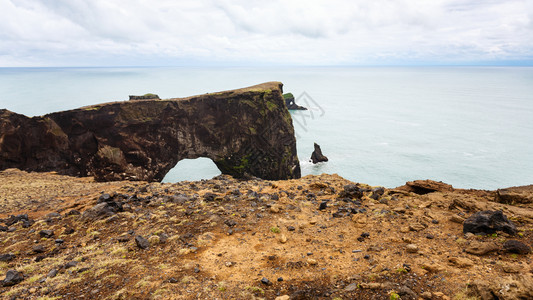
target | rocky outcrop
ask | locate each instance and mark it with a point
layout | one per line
(515, 195)
(246, 132)
(422, 187)
(145, 97)
(317, 155)
(289, 102)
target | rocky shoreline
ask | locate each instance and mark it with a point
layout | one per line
(318, 237)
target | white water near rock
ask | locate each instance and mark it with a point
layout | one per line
(471, 127)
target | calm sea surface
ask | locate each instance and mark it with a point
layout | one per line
(471, 127)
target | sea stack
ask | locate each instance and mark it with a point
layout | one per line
(317, 155)
(291, 104)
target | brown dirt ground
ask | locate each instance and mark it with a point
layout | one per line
(221, 246)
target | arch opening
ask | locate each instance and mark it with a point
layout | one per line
(192, 170)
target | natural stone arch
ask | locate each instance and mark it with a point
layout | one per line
(246, 132)
(182, 170)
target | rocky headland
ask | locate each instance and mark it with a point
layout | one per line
(318, 237)
(246, 132)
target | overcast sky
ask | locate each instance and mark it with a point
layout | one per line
(258, 32)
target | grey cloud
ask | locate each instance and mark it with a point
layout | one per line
(300, 32)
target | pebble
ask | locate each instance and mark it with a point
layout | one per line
(46, 233)
(282, 239)
(457, 219)
(52, 273)
(38, 249)
(351, 287)
(71, 264)
(284, 297)
(461, 262)
(323, 205)
(265, 281)
(291, 228)
(12, 277)
(411, 248)
(7, 257)
(416, 227)
(312, 262)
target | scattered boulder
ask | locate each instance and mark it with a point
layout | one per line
(481, 248)
(411, 248)
(38, 249)
(352, 191)
(71, 264)
(461, 262)
(509, 196)
(23, 218)
(12, 277)
(514, 246)
(265, 281)
(317, 155)
(142, 242)
(46, 233)
(488, 222)
(52, 273)
(99, 211)
(7, 257)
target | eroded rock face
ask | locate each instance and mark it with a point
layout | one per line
(246, 132)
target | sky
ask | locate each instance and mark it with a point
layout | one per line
(36, 33)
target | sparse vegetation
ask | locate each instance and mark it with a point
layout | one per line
(222, 246)
(275, 229)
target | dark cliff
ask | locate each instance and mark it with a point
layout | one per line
(246, 132)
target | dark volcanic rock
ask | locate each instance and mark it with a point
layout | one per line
(289, 102)
(12, 277)
(142, 242)
(514, 246)
(7, 257)
(99, 211)
(46, 233)
(18, 218)
(145, 97)
(351, 191)
(488, 222)
(245, 132)
(317, 155)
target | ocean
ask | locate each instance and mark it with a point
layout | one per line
(471, 127)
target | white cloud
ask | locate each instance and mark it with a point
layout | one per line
(110, 32)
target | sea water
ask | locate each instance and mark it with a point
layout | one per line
(471, 127)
